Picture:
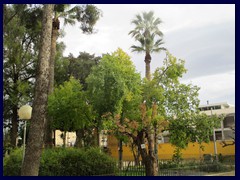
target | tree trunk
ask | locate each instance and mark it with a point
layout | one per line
(151, 166)
(31, 162)
(96, 137)
(148, 158)
(48, 140)
(155, 142)
(48, 129)
(14, 129)
(52, 59)
(79, 138)
(120, 153)
(151, 160)
(64, 139)
(136, 154)
(147, 64)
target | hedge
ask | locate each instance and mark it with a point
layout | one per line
(65, 162)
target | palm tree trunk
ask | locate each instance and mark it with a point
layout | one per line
(48, 130)
(31, 162)
(147, 64)
(52, 59)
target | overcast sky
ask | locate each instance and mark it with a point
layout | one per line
(202, 35)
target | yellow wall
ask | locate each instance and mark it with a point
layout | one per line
(165, 151)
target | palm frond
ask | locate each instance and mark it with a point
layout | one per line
(69, 21)
(159, 42)
(74, 10)
(137, 49)
(159, 49)
(145, 32)
(139, 18)
(142, 41)
(157, 21)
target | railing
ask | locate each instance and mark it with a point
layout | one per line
(166, 168)
(129, 168)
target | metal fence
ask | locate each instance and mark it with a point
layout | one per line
(130, 168)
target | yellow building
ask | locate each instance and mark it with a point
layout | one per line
(193, 151)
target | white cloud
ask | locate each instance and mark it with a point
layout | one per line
(215, 88)
(202, 34)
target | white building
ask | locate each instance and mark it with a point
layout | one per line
(225, 132)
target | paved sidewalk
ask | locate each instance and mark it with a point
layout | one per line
(231, 173)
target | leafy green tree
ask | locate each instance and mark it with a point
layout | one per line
(166, 104)
(21, 47)
(81, 66)
(31, 161)
(68, 107)
(87, 15)
(61, 66)
(145, 32)
(110, 84)
(194, 128)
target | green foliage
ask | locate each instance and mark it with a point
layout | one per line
(197, 127)
(68, 107)
(12, 163)
(79, 67)
(60, 66)
(167, 165)
(177, 156)
(22, 26)
(215, 167)
(86, 15)
(65, 162)
(89, 15)
(112, 82)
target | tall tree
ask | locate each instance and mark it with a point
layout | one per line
(110, 84)
(147, 33)
(81, 66)
(87, 15)
(69, 108)
(166, 104)
(31, 162)
(21, 46)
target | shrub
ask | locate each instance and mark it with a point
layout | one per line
(214, 167)
(50, 164)
(168, 164)
(12, 163)
(65, 162)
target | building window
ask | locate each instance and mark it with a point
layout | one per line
(218, 135)
(228, 122)
(229, 134)
(209, 108)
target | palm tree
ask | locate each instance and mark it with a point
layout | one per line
(87, 15)
(31, 161)
(146, 31)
